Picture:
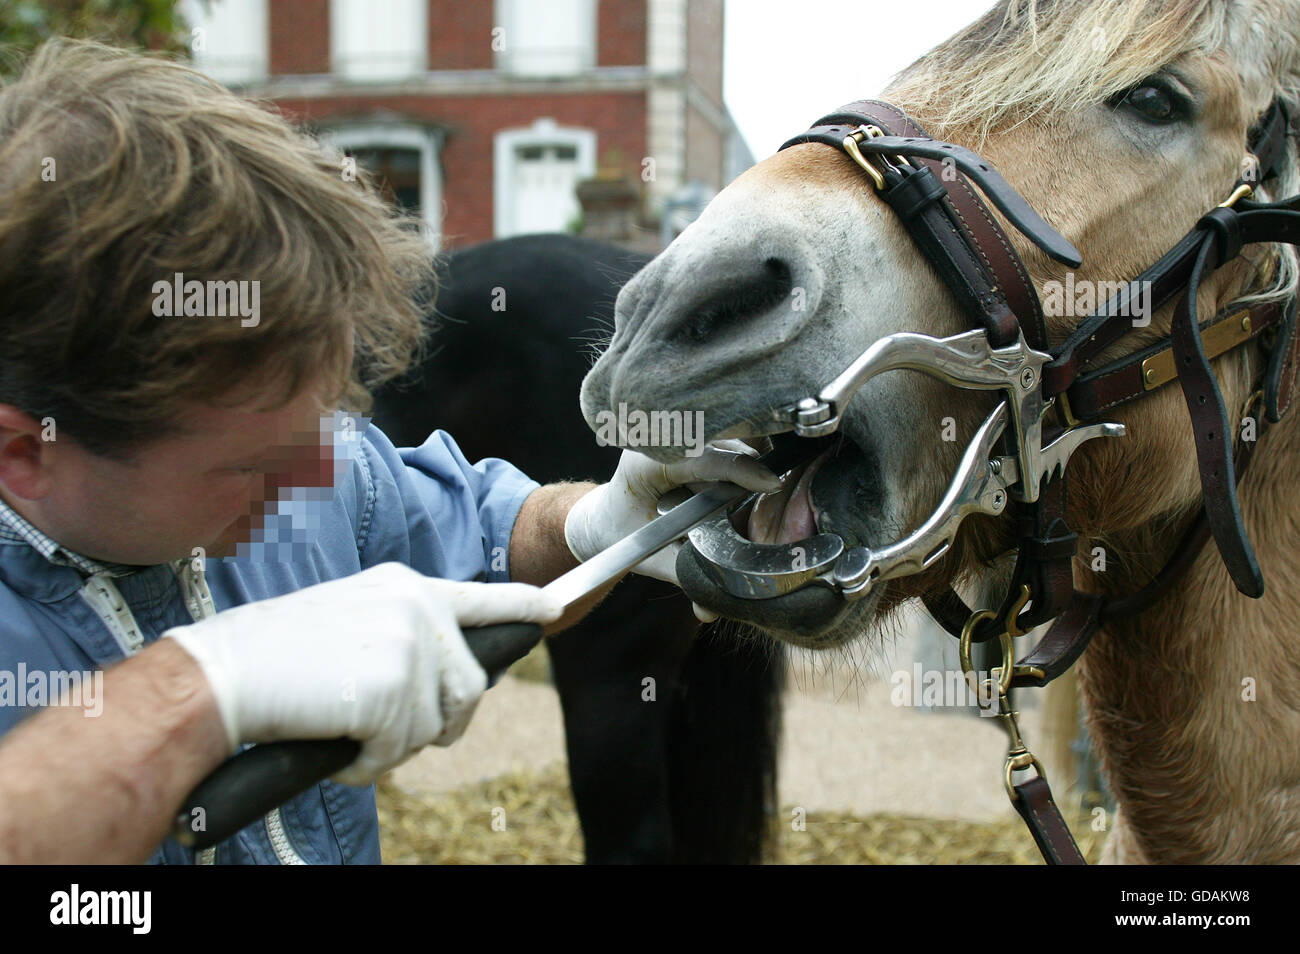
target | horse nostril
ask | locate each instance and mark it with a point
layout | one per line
(739, 299)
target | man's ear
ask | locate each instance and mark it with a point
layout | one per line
(26, 457)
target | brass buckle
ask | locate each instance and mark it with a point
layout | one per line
(1010, 630)
(851, 147)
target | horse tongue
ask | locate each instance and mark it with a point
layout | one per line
(786, 516)
(765, 516)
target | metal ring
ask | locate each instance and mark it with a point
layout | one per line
(1013, 614)
(1018, 763)
(1008, 650)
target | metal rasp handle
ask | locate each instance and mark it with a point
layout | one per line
(249, 785)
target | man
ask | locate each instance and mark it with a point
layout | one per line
(105, 789)
(191, 290)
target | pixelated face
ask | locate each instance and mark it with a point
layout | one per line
(209, 487)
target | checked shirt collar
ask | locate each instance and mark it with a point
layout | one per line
(14, 528)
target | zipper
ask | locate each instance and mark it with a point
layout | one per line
(194, 587)
(101, 593)
(106, 600)
(198, 600)
(280, 840)
(193, 590)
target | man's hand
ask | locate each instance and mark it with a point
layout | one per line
(630, 500)
(378, 657)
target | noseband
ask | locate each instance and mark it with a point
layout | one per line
(1053, 402)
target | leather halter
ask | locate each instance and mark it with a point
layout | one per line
(931, 186)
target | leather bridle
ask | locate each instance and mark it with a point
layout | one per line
(931, 186)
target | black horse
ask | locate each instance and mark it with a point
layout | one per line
(689, 776)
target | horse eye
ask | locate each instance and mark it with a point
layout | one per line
(1154, 103)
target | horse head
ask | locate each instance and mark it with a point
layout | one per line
(1120, 121)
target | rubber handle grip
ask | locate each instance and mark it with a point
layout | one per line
(249, 785)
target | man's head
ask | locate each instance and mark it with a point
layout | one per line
(141, 204)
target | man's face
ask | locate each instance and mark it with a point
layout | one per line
(207, 487)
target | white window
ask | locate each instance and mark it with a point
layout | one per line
(546, 37)
(229, 38)
(404, 159)
(378, 41)
(536, 177)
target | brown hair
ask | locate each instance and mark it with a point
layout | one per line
(118, 170)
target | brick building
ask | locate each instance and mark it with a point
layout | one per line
(485, 115)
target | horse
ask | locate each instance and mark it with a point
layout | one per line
(659, 775)
(1123, 123)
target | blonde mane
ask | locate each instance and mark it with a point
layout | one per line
(1028, 57)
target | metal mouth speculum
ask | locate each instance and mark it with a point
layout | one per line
(758, 571)
(764, 570)
(983, 483)
(965, 360)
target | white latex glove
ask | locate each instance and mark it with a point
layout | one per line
(377, 656)
(630, 500)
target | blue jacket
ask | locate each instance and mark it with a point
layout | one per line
(426, 507)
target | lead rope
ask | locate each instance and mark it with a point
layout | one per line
(1032, 799)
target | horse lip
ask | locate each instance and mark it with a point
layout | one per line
(805, 616)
